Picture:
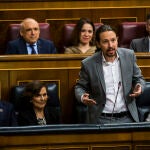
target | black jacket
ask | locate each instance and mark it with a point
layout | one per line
(28, 117)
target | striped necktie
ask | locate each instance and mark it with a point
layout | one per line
(33, 50)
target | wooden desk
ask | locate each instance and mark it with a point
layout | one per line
(60, 68)
(134, 136)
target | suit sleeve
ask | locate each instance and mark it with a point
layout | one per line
(82, 85)
(52, 48)
(132, 46)
(137, 76)
(11, 49)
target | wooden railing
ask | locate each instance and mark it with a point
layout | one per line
(133, 136)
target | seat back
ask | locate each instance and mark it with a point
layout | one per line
(13, 31)
(67, 33)
(17, 93)
(143, 102)
(130, 30)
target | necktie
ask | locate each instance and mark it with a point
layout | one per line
(33, 50)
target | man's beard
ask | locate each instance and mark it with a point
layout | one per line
(110, 55)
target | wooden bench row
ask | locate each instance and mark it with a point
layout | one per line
(59, 68)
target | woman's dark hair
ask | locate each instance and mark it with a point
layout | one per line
(32, 89)
(75, 37)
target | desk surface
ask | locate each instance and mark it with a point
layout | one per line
(77, 137)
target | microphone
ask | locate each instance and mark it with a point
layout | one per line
(119, 85)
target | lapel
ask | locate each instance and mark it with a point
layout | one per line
(99, 69)
(32, 117)
(146, 44)
(22, 46)
(39, 46)
(123, 68)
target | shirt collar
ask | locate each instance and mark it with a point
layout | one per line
(35, 44)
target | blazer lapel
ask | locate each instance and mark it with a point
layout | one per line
(124, 69)
(23, 47)
(99, 69)
(146, 45)
(39, 46)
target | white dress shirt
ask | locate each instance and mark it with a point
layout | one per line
(115, 102)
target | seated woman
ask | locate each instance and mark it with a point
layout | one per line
(37, 112)
(82, 38)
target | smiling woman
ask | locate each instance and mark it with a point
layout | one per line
(37, 111)
(82, 39)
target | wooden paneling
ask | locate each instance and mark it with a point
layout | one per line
(60, 12)
(112, 147)
(4, 84)
(77, 137)
(69, 141)
(61, 68)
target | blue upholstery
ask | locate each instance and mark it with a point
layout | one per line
(143, 102)
(17, 93)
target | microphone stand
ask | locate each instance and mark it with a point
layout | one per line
(119, 85)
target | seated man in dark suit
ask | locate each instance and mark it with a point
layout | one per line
(29, 41)
(7, 114)
(142, 44)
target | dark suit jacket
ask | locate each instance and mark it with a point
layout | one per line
(92, 81)
(7, 114)
(28, 117)
(140, 45)
(19, 47)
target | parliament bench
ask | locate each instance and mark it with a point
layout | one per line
(128, 136)
(126, 32)
(60, 69)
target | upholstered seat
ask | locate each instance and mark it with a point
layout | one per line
(130, 30)
(66, 35)
(13, 31)
(143, 103)
(17, 93)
